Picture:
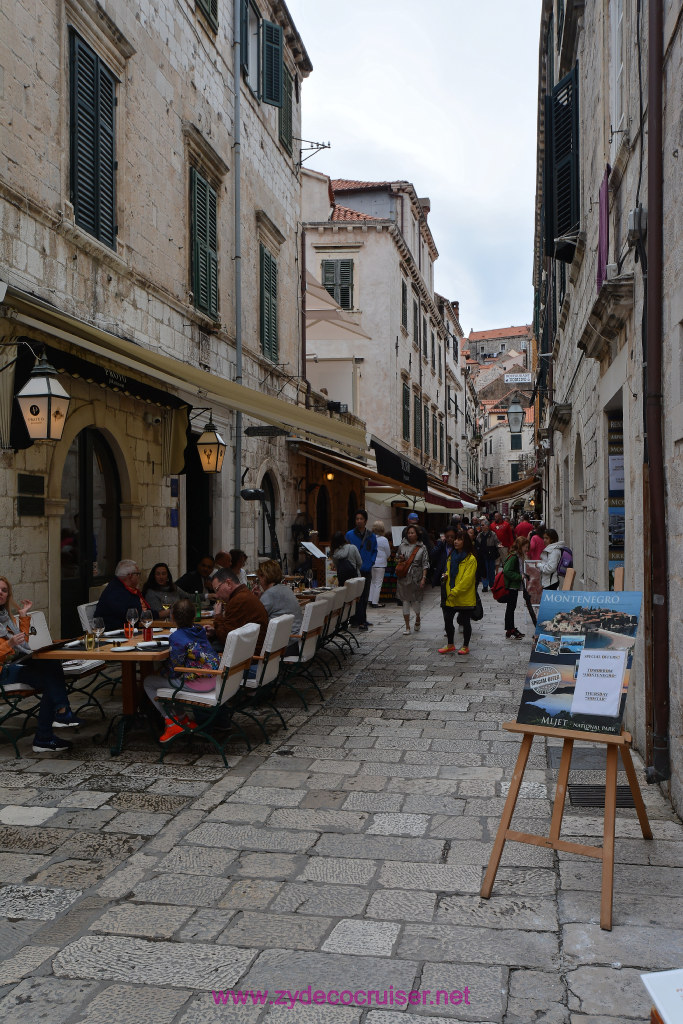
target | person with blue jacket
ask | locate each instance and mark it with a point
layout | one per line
(366, 542)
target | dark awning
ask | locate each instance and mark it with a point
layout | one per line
(397, 467)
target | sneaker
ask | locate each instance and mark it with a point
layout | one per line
(406, 631)
(417, 625)
(66, 720)
(377, 606)
(52, 745)
(187, 722)
(514, 634)
(464, 650)
(172, 729)
(448, 649)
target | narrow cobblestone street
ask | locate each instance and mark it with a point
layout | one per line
(346, 856)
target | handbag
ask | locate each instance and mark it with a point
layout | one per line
(403, 567)
(477, 612)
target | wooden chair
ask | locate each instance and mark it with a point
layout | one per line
(216, 704)
(78, 675)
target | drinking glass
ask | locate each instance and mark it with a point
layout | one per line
(146, 620)
(309, 577)
(98, 628)
(132, 616)
(165, 604)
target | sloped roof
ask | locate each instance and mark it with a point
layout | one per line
(500, 332)
(344, 213)
(349, 185)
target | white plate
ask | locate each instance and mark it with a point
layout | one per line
(123, 647)
(156, 644)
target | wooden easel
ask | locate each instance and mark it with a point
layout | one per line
(615, 745)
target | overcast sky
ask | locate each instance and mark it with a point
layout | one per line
(441, 93)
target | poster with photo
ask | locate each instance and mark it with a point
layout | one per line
(580, 665)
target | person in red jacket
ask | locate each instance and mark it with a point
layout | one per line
(503, 531)
(525, 527)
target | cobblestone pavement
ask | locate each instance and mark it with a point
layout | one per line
(347, 856)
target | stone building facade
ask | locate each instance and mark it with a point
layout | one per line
(118, 193)
(608, 173)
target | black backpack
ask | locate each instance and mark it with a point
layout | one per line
(346, 570)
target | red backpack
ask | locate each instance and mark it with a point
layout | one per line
(499, 590)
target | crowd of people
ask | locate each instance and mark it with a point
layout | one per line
(467, 554)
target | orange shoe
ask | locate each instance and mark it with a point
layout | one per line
(187, 722)
(448, 649)
(464, 650)
(172, 729)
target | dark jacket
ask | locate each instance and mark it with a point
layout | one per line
(242, 607)
(439, 559)
(114, 602)
(192, 582)
(367, 546)
(486, 546)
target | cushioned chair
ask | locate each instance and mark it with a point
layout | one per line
(81, 677)
(215, 707)
(261, 688)
(301, 664)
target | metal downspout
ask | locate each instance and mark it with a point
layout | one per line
(660, 769)
(237, 257)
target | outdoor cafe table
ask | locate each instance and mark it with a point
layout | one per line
(131, 686)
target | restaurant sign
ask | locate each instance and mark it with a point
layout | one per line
(517, 378)
(397, 467)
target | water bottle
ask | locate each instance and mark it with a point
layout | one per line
(198, 606)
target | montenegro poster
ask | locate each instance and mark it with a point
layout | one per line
(580, 665)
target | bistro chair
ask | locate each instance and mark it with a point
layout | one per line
(301, 664)
(330, 635)
(78, 675)
(269, 665)
(354, 588)
(216, 706)
(17, 701)
(86, 613)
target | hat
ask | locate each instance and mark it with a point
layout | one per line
(413, 517)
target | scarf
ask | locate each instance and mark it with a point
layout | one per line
(136, 593)
(454, 562)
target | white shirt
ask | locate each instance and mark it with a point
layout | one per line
(383, 552)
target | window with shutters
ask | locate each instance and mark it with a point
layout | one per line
(561, 171)
(204, 229)
(616, 16)
(425, 337)
(514, 472)
(271, 86)
(406, 413)
(433, 351)
(515, 442)
(210, 9)
(416, 325)
(417, 421)
(441, 443)
(269, 338)
(250, 50)
(285, 114)
(426, 428)
(338, 279)
(404, 305)
(93, 143)
(435, 437)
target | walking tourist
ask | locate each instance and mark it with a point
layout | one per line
(503, 531)
(512, 573)
(459, 592)
(412, 566)
(381, 562)
(486, 548)
(45, 676)
(550, 560)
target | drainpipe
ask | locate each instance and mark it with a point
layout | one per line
(237, 256)
(304, 374)
(656, 556)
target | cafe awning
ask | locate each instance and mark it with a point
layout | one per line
(397, 467)
(513, 490)
(334, 461)
(42, 316)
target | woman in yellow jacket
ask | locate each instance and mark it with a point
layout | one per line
(459, 593)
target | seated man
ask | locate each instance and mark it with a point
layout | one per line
(238, 607)
(199, 580)
(121, 594)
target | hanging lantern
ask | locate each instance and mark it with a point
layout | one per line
(515, 416)
(44, 403)
(211, 448)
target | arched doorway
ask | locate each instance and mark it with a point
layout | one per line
(90, 539)
(322, 513)
(265, 543)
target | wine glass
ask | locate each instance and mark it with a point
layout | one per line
(147, 618)
(132, 616)
(165, 604)
(98, 629)
(309, 577)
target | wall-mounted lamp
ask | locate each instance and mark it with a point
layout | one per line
(515, 415)
(43, 402)
(329, 476)
(211, 448)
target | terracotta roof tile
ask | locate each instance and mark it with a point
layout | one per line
(343, 213)
(349, 185)
(500, 332)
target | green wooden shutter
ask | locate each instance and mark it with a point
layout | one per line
(426, 429)
(244, 34)
(345, 299)
(417, 421)
(416, 325)
(435, 445)
(272, 64)
(210, 9)
(93, 143)
(269, 338)
(286, 132)
(404, 305)
(565, 164)
(406, 413)
(441, 444)
(204, 244)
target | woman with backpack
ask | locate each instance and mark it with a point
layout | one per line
(412, 566)
(346, 558)
(459, 593)
(550, 560)
(512, 574)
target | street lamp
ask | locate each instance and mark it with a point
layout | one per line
(211, 448)
(43, 402)
(515, 415)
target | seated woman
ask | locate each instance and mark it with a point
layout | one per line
(44, 676)
(189, 648)
(160, 592)
(238, 561)
(276, 597)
